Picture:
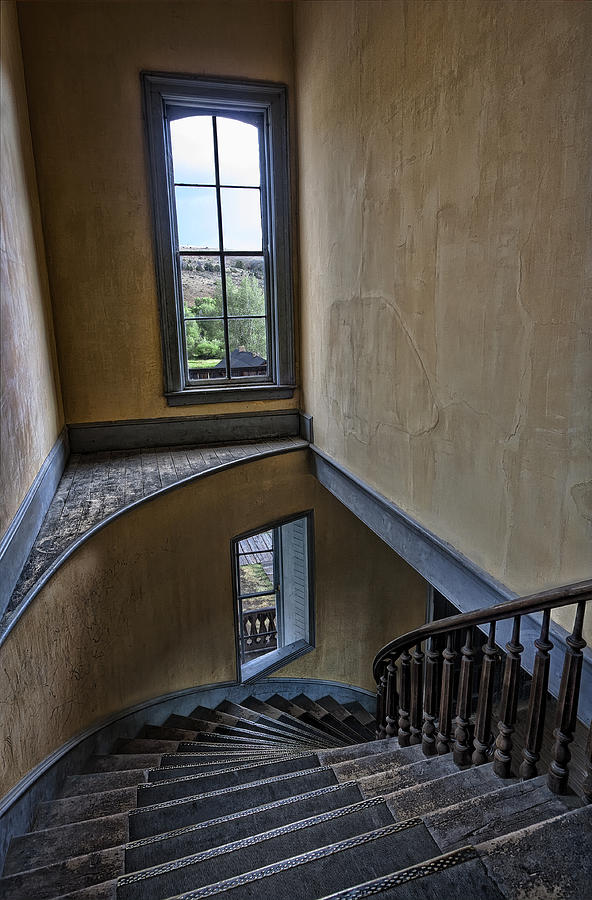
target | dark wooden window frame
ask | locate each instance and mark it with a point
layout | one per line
(281, 656)
(269, 100)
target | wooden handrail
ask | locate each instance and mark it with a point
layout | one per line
(551, 599)
(431, 693)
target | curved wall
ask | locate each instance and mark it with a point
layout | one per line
(144, 607)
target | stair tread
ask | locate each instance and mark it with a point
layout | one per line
(304, 876)
(260, 705)
(361, 714)
(343, 714)
(347, 725)
(401, 777)
(441, 792)
(214, 832)
(242, 855)
(256, 716)
(326, 723)
(564, 843)
(233, 776)
(64, 876)
(42, 847)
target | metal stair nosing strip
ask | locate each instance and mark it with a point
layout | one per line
(300, 860)
(252, 840)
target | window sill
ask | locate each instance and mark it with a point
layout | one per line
(193, 397)
(270, 662)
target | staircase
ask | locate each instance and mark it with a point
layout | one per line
(296, 799)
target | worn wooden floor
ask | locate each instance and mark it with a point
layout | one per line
(95, 485)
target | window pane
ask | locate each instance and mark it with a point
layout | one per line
(238, 152)
(201, 285)
(254, 603)
(197, 218)
(261, 541)
(255, 577)
(241, 219)
(245, 285)
(204, 340)
(248, 347)
(192, 143)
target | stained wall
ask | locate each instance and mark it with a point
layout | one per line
(445, 164)
(83, 64)
(145, 607)
(31, 416)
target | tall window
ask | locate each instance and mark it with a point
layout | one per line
(273, 589)
(219, 172)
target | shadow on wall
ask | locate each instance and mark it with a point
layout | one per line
(144, 607)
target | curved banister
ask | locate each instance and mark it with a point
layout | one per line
(550, 599)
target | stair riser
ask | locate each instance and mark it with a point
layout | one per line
(241, 826)
(162, 791)
(233, 862)
(146, 822)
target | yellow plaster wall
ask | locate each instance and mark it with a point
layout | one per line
(83, 62)
(445, 163)
(31, 416)
(145, 606)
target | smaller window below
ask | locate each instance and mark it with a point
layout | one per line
(273, 589)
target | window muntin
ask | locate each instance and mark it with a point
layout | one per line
(273, 590)
(221, 213)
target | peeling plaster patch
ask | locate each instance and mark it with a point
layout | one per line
(582, 497)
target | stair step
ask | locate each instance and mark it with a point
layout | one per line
(543, 860)
(443, 791)
(64, 877)
(401, 777)
(239, 726)
(494, 814)
(343, 714)
(149, 820)
(183, 841)
(261, 706)
(245, 712)
(143, 745)
(95, 783)
(43, 847)
(351, 734)
(549, 859)
(356, 750)
(457, 874)
(327, 723)
(363, 766)
(190, 785)
(234, 741)
(361, 714)
(243, 855)
(87, 806)
(346, 862)
(114, 762)
(190, 768)
(105, 891)
(245, 723)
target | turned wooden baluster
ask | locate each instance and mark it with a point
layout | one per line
(416, 718)
(379, 707)
(381, 724)
(430, 711)
(462, 731)
(567, 706)
(538, 702)
(587, 786)
(404, 732)
(445, 720)
(482, 738)
(392, 700)
(502, 760)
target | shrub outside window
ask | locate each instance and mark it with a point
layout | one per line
(219, 177)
